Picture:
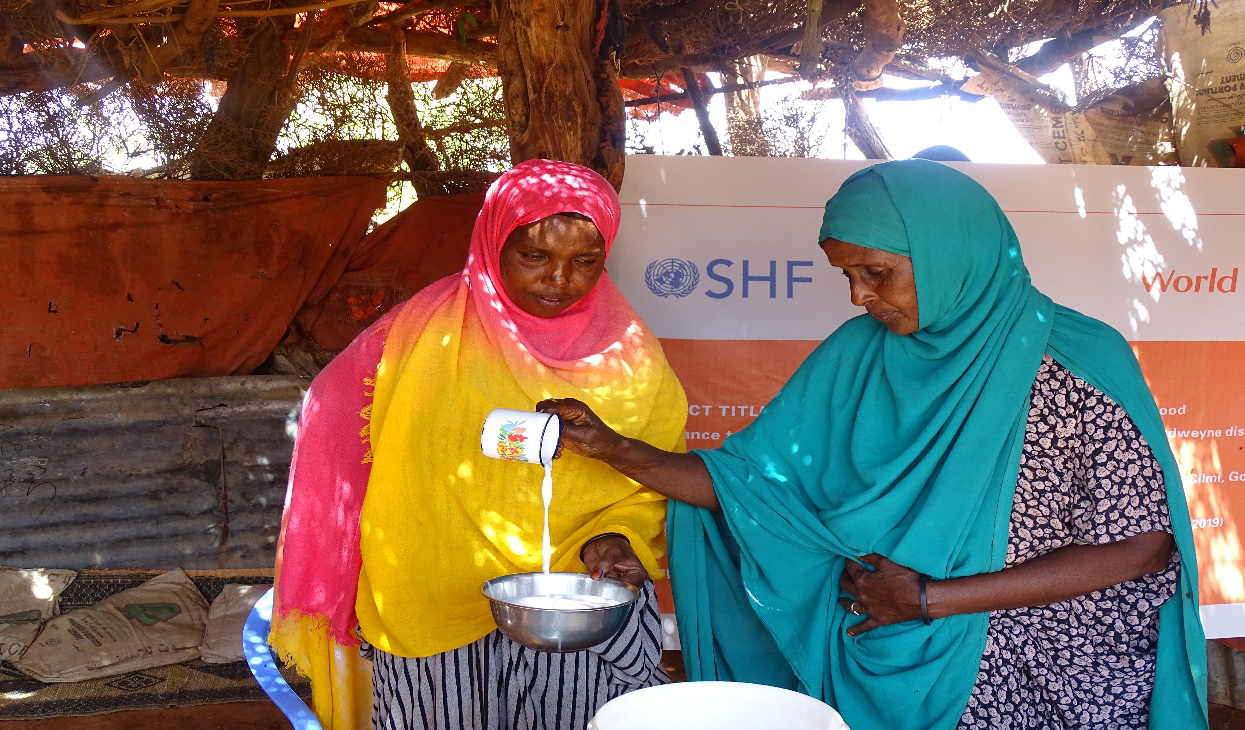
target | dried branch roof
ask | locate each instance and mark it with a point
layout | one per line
(69, 69)
(46, 44)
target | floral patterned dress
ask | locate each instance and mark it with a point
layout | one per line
(1086, 477)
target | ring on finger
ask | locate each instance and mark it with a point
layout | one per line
(854, 608)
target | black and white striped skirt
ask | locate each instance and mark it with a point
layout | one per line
(496, 684)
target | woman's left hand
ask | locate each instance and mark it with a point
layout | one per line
(615, 558)
(888, 594)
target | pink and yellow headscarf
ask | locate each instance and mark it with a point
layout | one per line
(405, 556)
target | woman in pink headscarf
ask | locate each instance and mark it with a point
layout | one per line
(394, 518)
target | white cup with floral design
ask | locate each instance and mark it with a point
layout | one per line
(521, 436)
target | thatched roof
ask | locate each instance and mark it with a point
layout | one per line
(45, 44)
(151, 48)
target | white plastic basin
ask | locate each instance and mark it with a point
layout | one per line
(715, 706)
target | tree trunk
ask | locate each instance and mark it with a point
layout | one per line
(884, 32)
(692, 84)
(259, 97)
(419, 157)
(745, 125)
(860, 129)
(562, 99)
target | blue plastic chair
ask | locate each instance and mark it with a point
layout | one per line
(259, 658)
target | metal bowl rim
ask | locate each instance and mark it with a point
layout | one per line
(632, 590)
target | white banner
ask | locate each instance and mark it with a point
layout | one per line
(720, 257)
(1123, 244)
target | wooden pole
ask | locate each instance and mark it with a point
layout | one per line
(416, 151)
(702, 112)
(562, 100)
(860, 129)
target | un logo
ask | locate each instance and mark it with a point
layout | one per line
(672, 277)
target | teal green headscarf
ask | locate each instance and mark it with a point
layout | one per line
(907, 446)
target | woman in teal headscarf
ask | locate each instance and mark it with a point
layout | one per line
(961, 511)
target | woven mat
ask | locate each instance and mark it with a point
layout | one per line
(175, 685)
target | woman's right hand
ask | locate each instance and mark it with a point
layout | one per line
(583, 432)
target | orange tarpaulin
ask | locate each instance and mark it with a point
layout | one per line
(424, 242)
(119, 279)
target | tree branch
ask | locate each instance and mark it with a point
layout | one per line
(884, 31)
(422, 44)
(107, 18)
(67, 67)
(403, 14)
(811, 44)
(1057, 51)
(680, 95)
(860, 129)
(771, 45)
(418, 155)
(702, 113)
(1041, 94)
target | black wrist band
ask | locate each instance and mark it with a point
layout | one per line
(599, 537)
(922, 580)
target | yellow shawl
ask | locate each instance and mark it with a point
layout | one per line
(397, 527)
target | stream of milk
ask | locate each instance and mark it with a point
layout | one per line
(546, 494)
(555, 600)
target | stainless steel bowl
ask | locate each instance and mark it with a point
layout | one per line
(558, 629)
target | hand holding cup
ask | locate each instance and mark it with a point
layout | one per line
(583, 432)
